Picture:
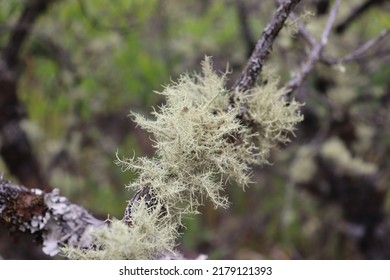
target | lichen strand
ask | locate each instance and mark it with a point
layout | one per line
(200, 146)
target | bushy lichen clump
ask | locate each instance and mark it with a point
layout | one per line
(200, 145)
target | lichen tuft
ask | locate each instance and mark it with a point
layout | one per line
(200, 147)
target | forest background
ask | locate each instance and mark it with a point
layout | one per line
(86, 64)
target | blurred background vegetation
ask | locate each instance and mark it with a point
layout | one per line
(86, 64)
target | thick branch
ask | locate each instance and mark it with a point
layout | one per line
(15, 147)
(49, 217)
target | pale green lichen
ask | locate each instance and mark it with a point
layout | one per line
(273, 118)
(200, 146)
(303, 18)
(334, 150)
(149, 237)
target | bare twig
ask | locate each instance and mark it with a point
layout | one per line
(301, 28)
(262, 50)
(245, 28)
(315, 54)
(359, 52)
(354, 55)
(355, 13)
(304, 32)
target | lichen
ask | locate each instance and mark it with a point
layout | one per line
(200, 147)
(149, 237)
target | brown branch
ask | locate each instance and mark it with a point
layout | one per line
(262, 50)
(315, 54)
(49, 217)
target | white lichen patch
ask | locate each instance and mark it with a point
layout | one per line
(68, 224)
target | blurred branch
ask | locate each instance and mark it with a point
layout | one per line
(354, 55)
(32, 10)
(245, 28)
(315, 54)
(357, 53)
(355, 13)
(15, 147)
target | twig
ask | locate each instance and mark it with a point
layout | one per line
(262, 50)
(304, 32)
(354, 55)
(357, 53)
(301, 28)
(355, 13)
(315, 54)
(245, 28)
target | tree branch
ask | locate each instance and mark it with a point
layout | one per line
(262, 50)
(315, 54)
(355, 13)
(32, 10)
(15, 147)
(357, 53)
(244, 26)
(49, 217)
